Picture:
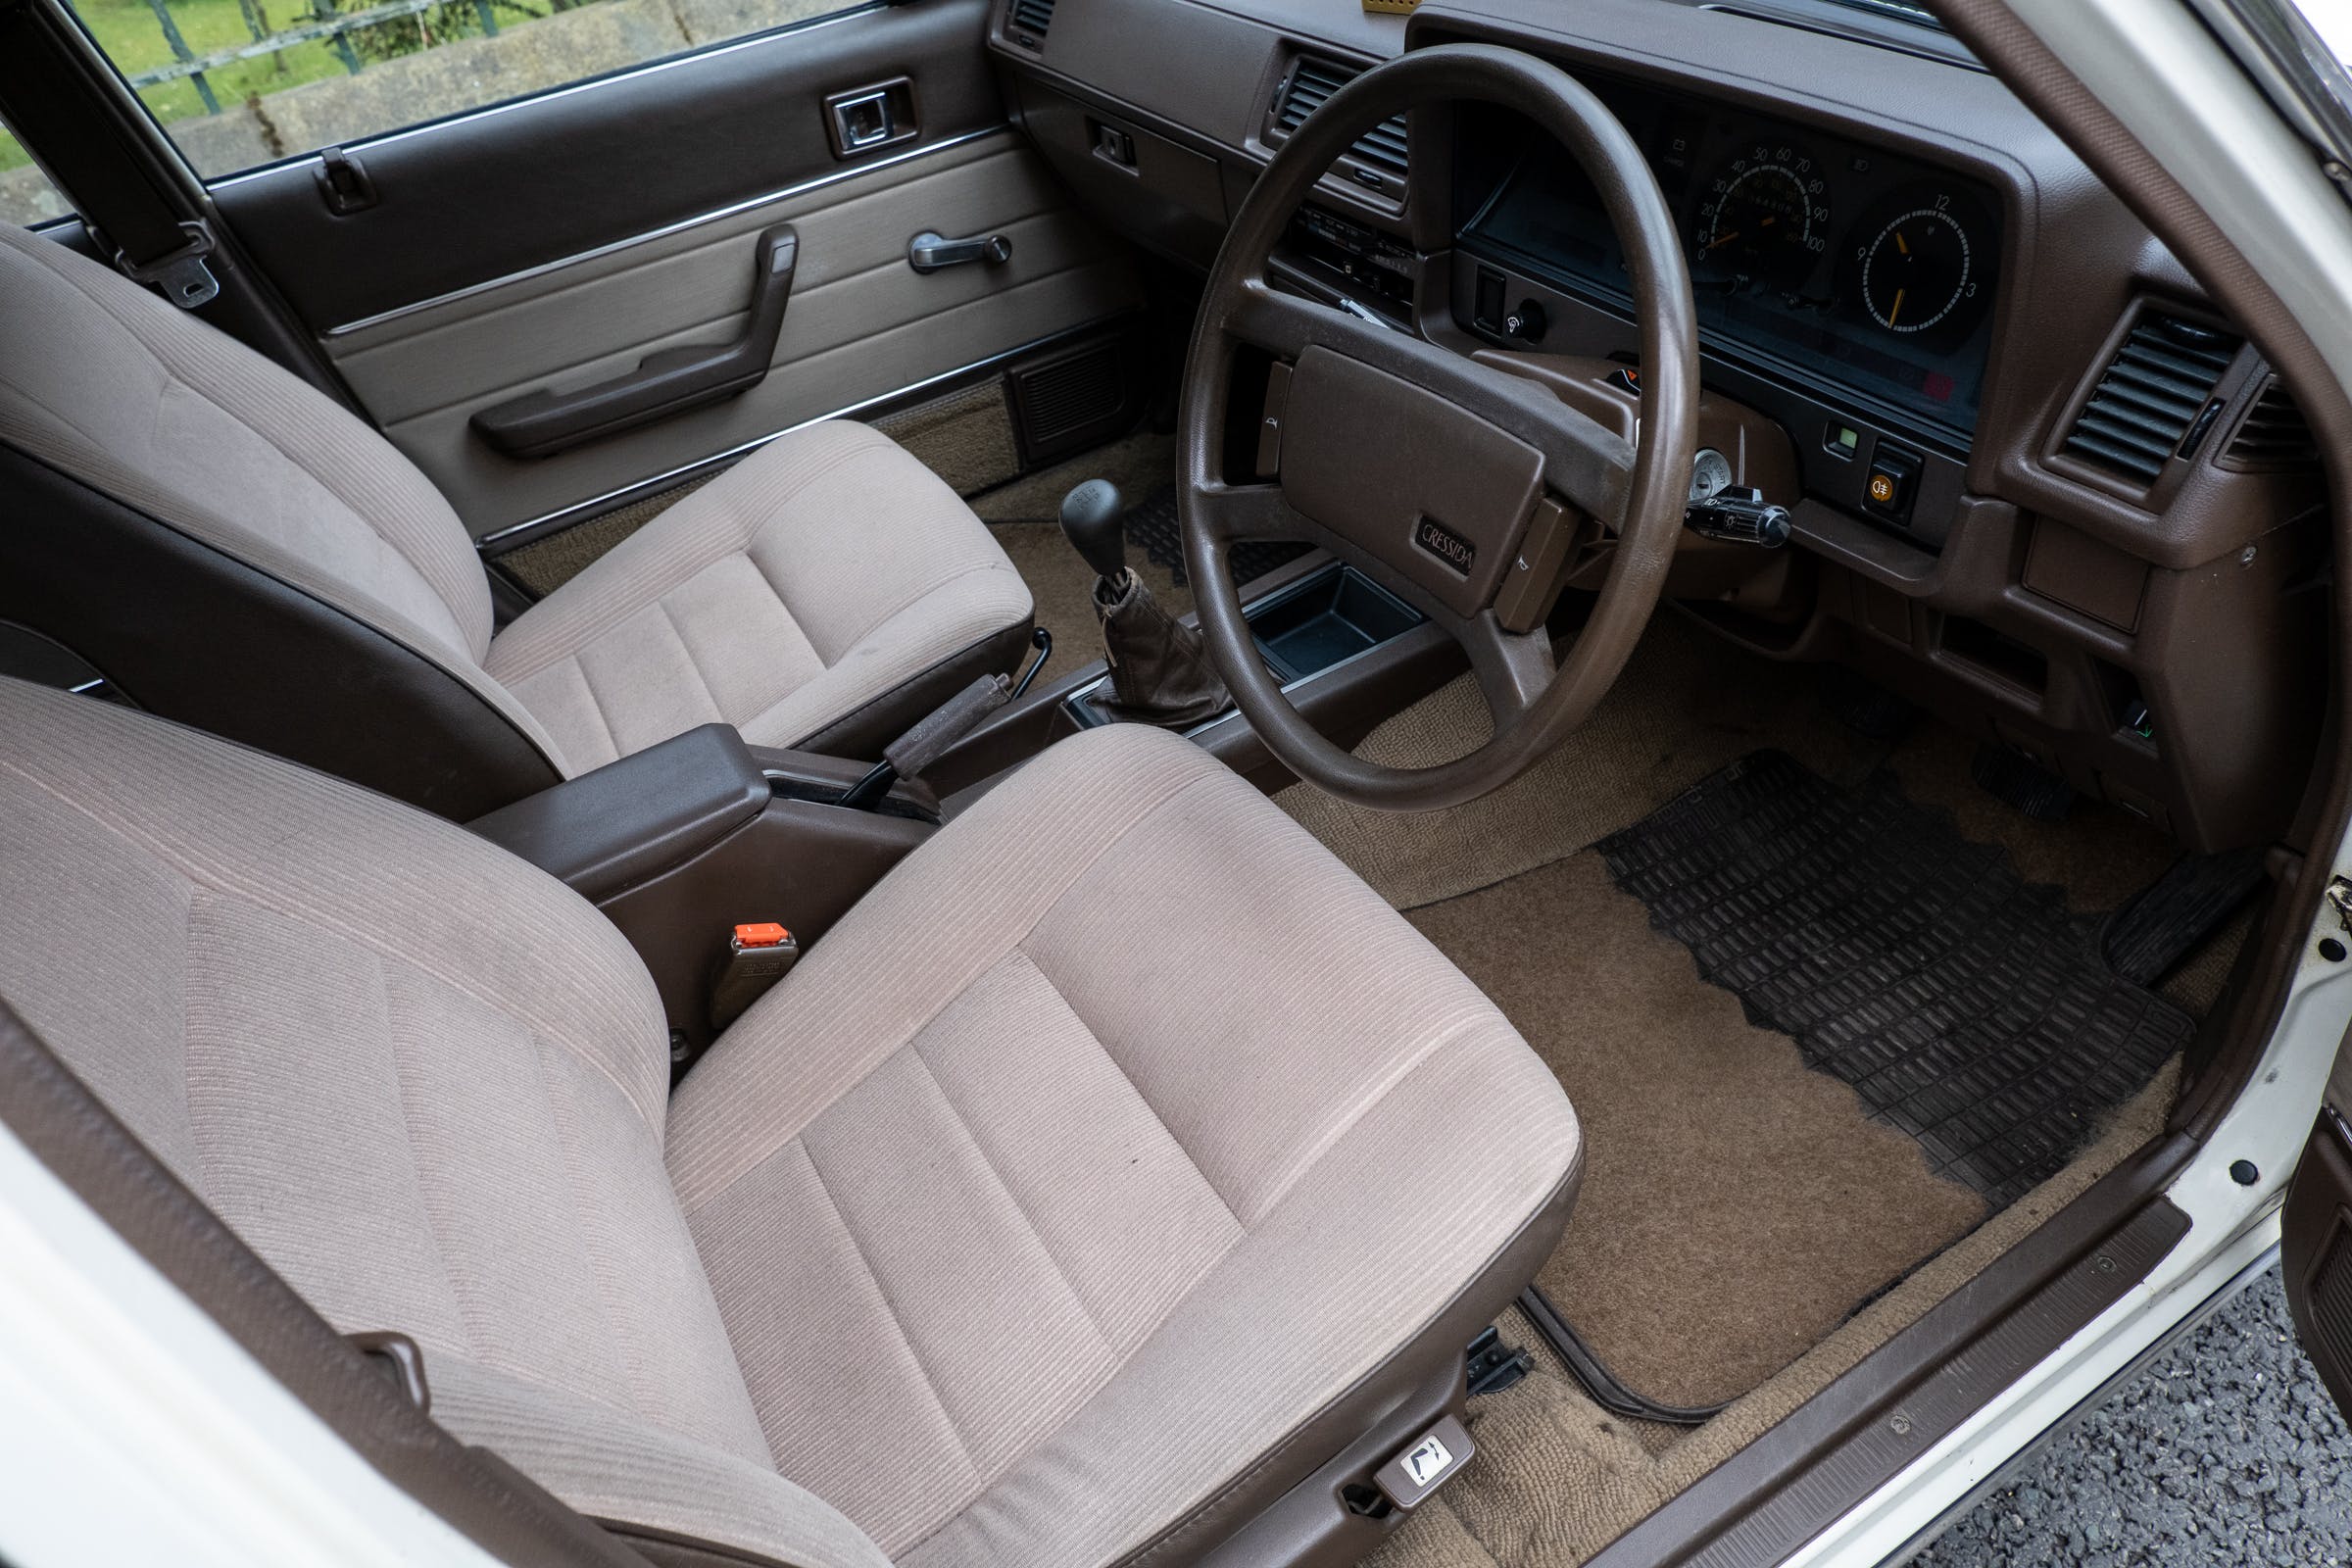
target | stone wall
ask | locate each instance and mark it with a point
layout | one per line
(448, 80)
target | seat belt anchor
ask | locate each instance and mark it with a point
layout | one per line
(181, 273)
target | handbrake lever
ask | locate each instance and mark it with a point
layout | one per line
(931, 739)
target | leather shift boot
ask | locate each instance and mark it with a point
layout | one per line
(1160, 668)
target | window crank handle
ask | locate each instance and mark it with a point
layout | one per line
(930, 251)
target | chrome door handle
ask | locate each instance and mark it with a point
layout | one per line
(930, 251)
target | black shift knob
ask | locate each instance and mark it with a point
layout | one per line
(1091, 516)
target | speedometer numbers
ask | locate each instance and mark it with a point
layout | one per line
(1919, 265)
(1766, 217)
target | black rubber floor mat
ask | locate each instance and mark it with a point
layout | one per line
(2148, 936)
(1965, 1005)
(1152, 525)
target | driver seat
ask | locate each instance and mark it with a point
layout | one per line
(1120, 1171)
(229, 547)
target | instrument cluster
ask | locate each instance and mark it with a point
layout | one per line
(1857, 269)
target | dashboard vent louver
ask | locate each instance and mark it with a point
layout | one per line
(2149, 395)
(1035, 17)
(1314, 80)
(2274, 435)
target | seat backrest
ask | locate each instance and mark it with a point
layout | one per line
(110, 387)
(422, 1079)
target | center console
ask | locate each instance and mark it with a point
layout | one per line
(1307, 629)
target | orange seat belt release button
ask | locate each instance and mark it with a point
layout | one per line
(758, 956)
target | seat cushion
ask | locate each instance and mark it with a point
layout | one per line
(822, 574)
(1114, 1135)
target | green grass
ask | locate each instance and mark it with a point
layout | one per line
(127, 29)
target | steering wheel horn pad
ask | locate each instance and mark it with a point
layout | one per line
(1430, 488)
(1421, 465)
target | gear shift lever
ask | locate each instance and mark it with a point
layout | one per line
(1093, 518)
(1159, 671)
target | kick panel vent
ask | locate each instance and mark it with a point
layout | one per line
(1076, 398)
(2274, 435)
(2150, 395)
(1313, 80)
(1032, 18)
(1064, 397)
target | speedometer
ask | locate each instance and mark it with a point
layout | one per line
(1766, 217)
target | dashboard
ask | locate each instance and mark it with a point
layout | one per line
(1854, 268)
(2037, 483)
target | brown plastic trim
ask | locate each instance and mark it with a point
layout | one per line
(2313, 1223)
(193, 634)
(634, 818)
(72, 1132)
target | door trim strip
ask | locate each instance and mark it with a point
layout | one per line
(613, 247)
(514, 535)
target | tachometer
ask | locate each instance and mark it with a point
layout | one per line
(1919, 268)
(1766, 217)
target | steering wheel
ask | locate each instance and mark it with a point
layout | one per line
(1425, 469)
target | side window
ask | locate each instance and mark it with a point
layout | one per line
(26, 197)
(240, 82)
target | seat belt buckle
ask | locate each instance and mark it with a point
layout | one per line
(181, 273)
(758, 955)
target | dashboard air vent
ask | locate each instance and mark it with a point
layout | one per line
(1313, 80)
(2274, 435)
(2149, 395)
(1033, 19)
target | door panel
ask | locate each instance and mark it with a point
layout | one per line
(556, 243)
(2316, 1239)
(860, 324)
(489, 194)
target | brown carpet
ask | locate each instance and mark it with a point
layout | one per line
(964, 437)
(1555, 1479)
(1737, 1204)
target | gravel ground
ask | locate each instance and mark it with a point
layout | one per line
(2227, 1451)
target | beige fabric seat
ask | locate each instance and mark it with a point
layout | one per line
(1108, 1140)
(827, 589)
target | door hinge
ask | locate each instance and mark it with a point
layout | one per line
(2339, 897)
